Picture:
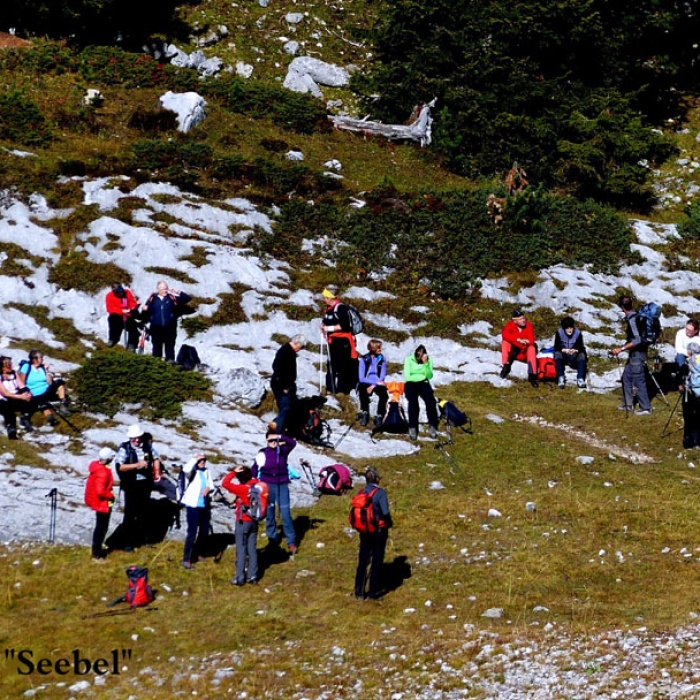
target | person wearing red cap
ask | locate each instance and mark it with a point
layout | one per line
(518, 343)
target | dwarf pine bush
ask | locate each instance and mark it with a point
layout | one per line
(109, 379)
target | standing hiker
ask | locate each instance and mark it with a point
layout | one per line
(162, 310)
(373, 544)
(284, 380)
(100, 497)
(197, 500)
(121, 309)
(337, 330)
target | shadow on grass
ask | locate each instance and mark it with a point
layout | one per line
(395, 573)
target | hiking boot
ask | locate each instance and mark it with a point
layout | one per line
(252, 581)
(623, 407)
(11, 432)
(378, 420)
(364, 418)
(413, 433)
(63, 408)
(293, 549)
(581, 383)
(51, 420)
(26, 422)
(187, 565)
(236, 582)
(532, 378)
(505, 371)
(643, 412)
(432, 431)
(561, 383)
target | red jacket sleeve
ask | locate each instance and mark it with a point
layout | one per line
(512, 334)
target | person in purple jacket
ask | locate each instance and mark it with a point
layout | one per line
(372, 373)
(271, 467)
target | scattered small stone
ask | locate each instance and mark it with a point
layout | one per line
(436, 486)
(493, 513)
(530, 506)
(493, 613)
(583, 459)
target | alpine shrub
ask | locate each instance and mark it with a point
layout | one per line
(109, 379)
(21, 120)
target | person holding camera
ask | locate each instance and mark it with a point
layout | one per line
(634, 375)
(162, 310)
(417, 373)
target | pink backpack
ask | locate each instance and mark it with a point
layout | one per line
(334, 479)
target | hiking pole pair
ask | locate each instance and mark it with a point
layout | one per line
(53, 495)
(329, 370)
(658, 386)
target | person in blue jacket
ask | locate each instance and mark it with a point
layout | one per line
(372, 373)
(162, 310)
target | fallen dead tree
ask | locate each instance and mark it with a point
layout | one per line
(419, 127)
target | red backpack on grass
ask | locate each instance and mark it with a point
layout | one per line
(140, 592)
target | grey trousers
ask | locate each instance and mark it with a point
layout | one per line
(634, 377)
(246, 551)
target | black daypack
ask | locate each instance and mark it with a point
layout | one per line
(356, 323)
(188, 357)
(452, 415)
(395, 421)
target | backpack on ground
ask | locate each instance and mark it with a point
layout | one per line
(334, 479)
(395, 421)
(139, 592)
(649, 323)
(306, 423)
(452, 415)
(362, 517)
(546, 369)
(356, 323)
(188, 357)
(258, 495)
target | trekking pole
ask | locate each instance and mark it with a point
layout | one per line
(53, 495)
(344, 435)
(624, 398)
(673, 412)
(320, 365)
(330, 368)
(658, 386)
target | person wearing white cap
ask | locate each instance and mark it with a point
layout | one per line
(100, 497)
(197, 501)
(137, 465)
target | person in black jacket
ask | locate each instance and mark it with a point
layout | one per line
(336, 327)
(162, 310)
(284, 380)
(373, 544)
(570, 351)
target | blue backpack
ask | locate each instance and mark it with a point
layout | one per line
(649, 323)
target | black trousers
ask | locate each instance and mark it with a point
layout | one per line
(137, 499)
(415, 390)
(117, 323)
(164, 337)
(341, 376)
(379, 391)
(691, 420)
(371, 556)
(99, 533)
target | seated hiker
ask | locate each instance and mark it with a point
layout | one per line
(570, 351)
(14, 397)
(122, 309)
(44, 388)
(417, 373)
(371, 382)
(690, 333)
(518, 343)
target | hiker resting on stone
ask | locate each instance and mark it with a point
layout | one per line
(570, 351)
(14, 397)
(518, 343)
(122, 308)
(417, 373)
(162, 310)
(690, 333)
(372, 373)
(341, 375)
(36, 376)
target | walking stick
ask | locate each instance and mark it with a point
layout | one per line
(330, 368)
(320, 365)
(53, 495)
(673, 412)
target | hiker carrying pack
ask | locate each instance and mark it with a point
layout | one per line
(258, 495)
(334, 479)
(362, 517)
(649, 323)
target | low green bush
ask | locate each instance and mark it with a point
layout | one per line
(76, 271)
(43, 57)
(109, 379)
(21, 120)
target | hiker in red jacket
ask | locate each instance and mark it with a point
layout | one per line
(122, 309)
(100, 497)
(519, 344)
(239, 482)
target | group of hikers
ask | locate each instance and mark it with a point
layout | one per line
(139, 470)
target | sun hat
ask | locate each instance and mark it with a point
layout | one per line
(134, 431)
(106, 454)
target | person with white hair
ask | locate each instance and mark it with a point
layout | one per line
(137, 465)
(162, 310)
(100, 497)
(284, 380)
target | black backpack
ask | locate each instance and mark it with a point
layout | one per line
(187, 357)
(395, 421)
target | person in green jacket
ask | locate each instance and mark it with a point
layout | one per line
(417, 373)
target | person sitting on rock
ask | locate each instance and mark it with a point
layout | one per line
(569, 351)
(690, 333)
(518, 343)
(121, 309)
(14, 397)
(372, 374)
(44, 388)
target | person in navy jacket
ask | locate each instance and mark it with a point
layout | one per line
(162, 310)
